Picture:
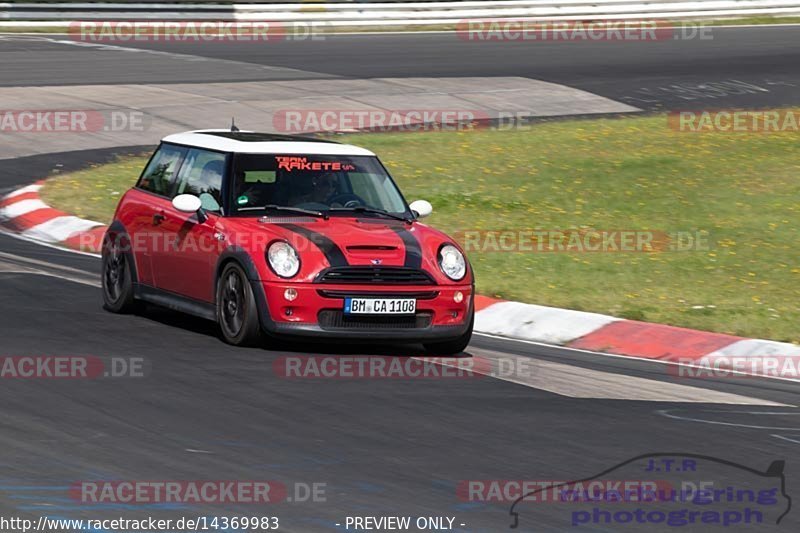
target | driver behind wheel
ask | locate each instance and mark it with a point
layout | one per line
(315, 188)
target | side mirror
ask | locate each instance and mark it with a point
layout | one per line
(189, 203)
(421, 208)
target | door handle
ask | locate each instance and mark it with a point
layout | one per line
(158, 218)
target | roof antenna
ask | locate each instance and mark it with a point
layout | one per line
(233, 124)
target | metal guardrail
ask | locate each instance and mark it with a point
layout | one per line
(388, 13)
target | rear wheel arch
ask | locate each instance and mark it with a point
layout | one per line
(118, 274)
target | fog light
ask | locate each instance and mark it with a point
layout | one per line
(454, 314)
(458, 297)
(288, 311)
(290, 294)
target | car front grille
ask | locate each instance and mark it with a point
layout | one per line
(342, 293)
(369, 275)
(336, 319)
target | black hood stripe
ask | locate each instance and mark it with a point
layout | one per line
(333, 253)
(413, 249)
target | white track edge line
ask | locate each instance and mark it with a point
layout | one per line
(631, 357)
(14, 235)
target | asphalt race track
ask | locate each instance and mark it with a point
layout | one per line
(679, 74)
(207, 411)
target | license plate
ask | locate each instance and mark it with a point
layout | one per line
(380, 306)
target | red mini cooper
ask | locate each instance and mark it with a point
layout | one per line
(283, 236)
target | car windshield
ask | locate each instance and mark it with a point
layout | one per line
(333, 185)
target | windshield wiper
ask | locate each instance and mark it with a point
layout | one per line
(363, 209)
(275, 207)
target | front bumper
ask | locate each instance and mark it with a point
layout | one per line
(317, 312)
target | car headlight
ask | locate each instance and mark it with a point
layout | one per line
(283, 259)
(452, 262)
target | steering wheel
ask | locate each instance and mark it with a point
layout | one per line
(346, 199)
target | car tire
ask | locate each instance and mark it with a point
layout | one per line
(237, 312)
(453, 346)
(117, 280)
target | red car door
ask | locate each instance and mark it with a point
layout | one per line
(185, 263)
(145, 231)
(143, 209)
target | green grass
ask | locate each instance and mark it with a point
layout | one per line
(626, 173)
(94, 192)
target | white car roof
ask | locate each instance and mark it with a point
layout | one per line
(249, 142)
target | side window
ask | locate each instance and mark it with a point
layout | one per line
(201, 175)
(159, 176)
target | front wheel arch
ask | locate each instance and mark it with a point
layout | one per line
(243, 298)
